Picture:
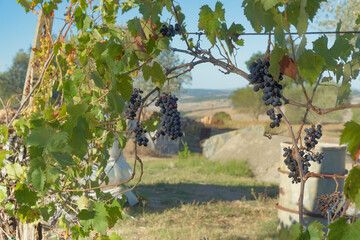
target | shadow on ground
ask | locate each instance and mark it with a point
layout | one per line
(161, 196)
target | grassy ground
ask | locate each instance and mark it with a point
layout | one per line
(198, 199)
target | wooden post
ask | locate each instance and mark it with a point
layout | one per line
(43, 26)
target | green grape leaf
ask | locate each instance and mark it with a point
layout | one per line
(121, 125)
(3, 193)
(340, 230)
(3, 154)
(134, 27)
(76, 110)
(58, 143)
(100, 222)
(234, 31)
(358, 19)
(83, 5)
(116, 102)
(83, 203)
(48, 211)
(351, 136)
(151, 124)
(312, 7)
(10, 209)
(302, 47)
(22, 126)
(15, 171)
(302, 22)
(275, 56)
(78, 232)
(78, 141)
(86, 23)
(258, 17)
(3, 133)
(86, 218)
(352, 186)
(209, 21)
(39, 136)
(219, 11)
(152, 11)
(114, 211)
(124, 86)
(116, 49)
(38, 179)
(320, 48)
(27, 214)
(122, 140)
(95, 76)
(158, 75)
(63, 158)
(253, 13)
(155, 72)
(294, 233)
(79, 18)
(279, 35)
(310, 65)
(315, 231)
(25, 4)
(52, 175)
(49, 7)
(270, 3)
(24, 195)
(114, 236)
(343, 92)
(342, 48)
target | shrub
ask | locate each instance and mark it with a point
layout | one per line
(325, 97)
(184, 154)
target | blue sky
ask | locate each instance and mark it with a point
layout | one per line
(18, 30)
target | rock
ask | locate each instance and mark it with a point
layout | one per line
(249, 144)
(212, 145)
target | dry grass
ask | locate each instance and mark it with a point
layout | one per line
(220, 220)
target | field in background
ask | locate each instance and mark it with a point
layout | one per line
(195, 199)
(203, 102)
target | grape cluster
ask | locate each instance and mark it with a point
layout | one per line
(170, 122)
(306, 155)
(134, 103)
(169, 31)
(140, 138)
(262, 79)
(311, 135)
(331, 204)
(275, 117)
(292, 165)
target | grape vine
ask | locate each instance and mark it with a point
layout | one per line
(80, 94)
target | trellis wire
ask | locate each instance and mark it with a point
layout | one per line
(286, 33)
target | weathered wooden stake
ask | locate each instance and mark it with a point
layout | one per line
(43, 27)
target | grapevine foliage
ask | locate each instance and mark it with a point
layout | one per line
(55, 152)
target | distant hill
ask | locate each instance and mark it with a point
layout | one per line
(198, 95)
